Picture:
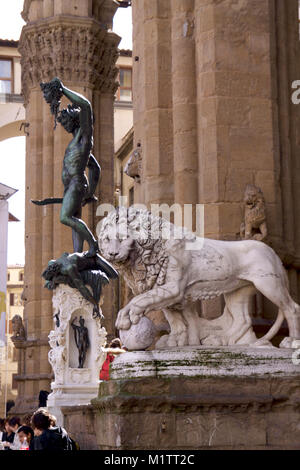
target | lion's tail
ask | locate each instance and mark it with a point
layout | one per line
(272, 331)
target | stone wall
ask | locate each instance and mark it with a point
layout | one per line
(80, 424)
(198, 413)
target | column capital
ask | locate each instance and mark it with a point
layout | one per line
(77, 50)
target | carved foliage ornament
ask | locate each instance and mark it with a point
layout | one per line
(82, 54)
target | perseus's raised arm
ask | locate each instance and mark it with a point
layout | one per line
(86, 113)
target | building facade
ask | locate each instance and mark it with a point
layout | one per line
(12, 111)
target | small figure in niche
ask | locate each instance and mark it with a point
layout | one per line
(82, 341)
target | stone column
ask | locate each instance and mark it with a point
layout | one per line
(237, 138)
(70, 40)
(213, 110)
(184, 91)
(153, 115)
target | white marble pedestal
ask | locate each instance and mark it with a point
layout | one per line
(73, 386)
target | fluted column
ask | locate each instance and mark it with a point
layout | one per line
(184, 91)
(153, 117)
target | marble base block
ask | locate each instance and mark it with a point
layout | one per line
(200, 399)
(73, 386)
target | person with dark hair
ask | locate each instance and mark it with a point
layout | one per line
(47, 436)
(2, 428)
(43, 397)
(25, 432)
(13, 424)
(114, 349)
(8, 435)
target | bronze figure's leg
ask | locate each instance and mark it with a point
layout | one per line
(77, 240)
(72, 200)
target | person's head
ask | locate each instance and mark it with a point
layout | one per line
(26, 420)
(115, 344)
(14, 423)
(41, 420)
(25, 431)
(7, 426)
(52, 270)
(52, 93)
(53, 420)
(69, 118)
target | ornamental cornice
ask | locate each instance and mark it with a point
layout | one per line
(77, 50)
(123, 404)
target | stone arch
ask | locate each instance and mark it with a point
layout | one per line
(12, 129)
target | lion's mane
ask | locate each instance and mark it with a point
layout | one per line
(152, 235)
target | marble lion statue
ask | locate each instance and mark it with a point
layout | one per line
(170, 269)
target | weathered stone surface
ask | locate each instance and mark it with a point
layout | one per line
(206, 361)
(80, 422)
(206, 411)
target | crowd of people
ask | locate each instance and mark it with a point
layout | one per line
(39, 431)
(36, 432)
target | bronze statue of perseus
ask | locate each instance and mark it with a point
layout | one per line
(76, 119)
(79, 269)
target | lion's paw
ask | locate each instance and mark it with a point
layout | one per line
(172, 341)
(135, 315)
(162, 343)
(290, 343)
(213, 340)
(123, 320)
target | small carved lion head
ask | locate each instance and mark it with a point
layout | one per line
(253, 195)
(18, 327)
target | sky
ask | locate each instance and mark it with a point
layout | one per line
(12, 151)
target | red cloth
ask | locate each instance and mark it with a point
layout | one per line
(104, 373)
